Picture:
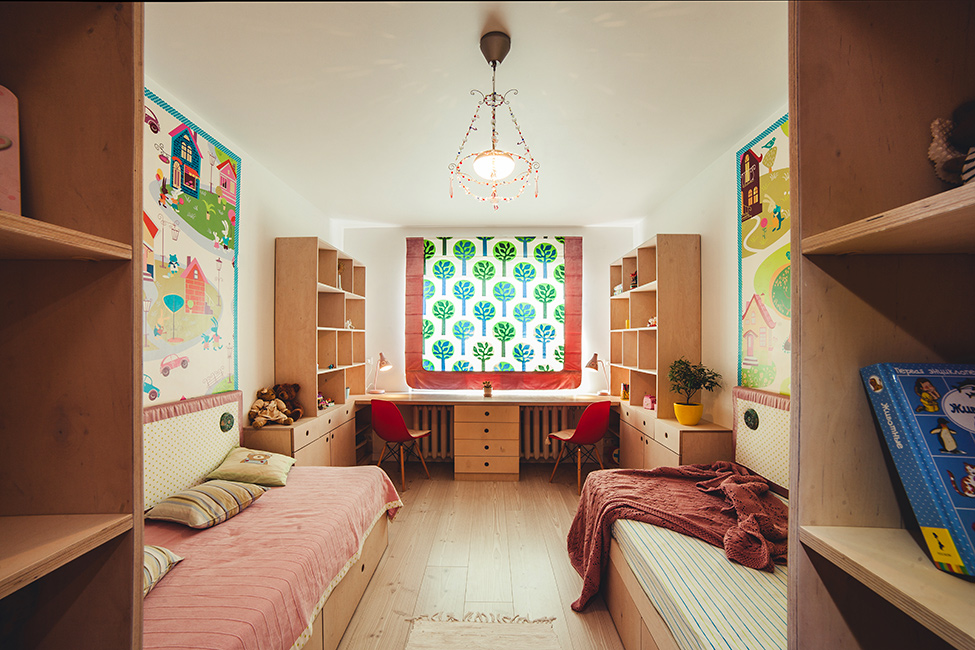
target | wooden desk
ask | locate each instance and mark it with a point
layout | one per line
(487, 436)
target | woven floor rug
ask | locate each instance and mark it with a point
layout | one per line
(480, 632)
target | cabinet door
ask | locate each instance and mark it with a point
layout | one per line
(316, 453)
(631, 447)
(658, 456)
(342, 440)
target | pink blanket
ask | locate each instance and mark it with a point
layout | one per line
(723, 504)
(255, 581)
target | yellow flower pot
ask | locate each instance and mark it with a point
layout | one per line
(688, 414)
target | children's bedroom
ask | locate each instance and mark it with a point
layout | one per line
(550, 325)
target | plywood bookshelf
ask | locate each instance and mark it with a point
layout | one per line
(879, 245)
(668, 288)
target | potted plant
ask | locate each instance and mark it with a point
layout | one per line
(686, 379)
(487, 388)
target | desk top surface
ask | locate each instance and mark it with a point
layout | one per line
(521, 398)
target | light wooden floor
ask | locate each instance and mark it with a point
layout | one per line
(460, 547)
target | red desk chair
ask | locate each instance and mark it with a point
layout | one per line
(389, 425)
(591, 428)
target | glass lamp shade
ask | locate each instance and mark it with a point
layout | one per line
(493, 165)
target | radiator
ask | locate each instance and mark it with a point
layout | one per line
(539, 421)
(536, 423)
(439, 420)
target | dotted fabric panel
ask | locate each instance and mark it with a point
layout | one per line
(762, 434)
(178, 452)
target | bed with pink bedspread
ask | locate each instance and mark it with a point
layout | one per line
(258, 580)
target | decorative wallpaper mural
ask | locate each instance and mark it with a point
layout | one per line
(492, 305)
(764, 263)
(190, 223)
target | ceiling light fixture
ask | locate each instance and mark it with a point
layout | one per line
(494, 175)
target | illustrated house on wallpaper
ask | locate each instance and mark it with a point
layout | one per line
(756, 326)
(228, 182)
(751, 205)
(149, 230)
(195, 283)
(185, 161)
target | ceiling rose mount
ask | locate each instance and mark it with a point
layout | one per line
(494, 175)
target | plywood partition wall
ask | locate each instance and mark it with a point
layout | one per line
(866, 81)
(70, 313)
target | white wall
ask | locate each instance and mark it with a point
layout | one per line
(268, 209)
(708, 205)
(383, 251)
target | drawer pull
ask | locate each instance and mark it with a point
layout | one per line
(487, 464)
(487, 412)
(486, 430)
(666, 434)
(487, 446)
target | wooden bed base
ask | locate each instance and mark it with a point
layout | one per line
(331, 622)
(639, 624)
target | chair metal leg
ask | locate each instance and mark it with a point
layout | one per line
(561, 451)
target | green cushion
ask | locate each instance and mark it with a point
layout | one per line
(254, 466)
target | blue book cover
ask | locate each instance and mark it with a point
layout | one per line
(926, 413)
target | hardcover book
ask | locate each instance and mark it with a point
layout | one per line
(926, 413)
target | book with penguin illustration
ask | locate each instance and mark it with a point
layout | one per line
(926, 413)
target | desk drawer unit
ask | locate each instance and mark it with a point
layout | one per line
(486, 442)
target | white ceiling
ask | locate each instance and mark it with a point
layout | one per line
(361, 106)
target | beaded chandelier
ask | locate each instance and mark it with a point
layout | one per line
(494, 174)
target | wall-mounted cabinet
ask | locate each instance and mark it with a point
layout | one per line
(883, 257)
(70, 313)
(655, 316)
(319, 320)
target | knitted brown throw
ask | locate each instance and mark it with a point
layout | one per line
(723, 504)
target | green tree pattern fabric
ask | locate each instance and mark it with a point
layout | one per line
(489, 334)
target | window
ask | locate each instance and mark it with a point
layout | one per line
(504, 309)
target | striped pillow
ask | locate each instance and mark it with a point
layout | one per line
(206, 505)
(157, 561)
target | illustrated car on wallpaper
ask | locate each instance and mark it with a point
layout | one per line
(148, 388)
(150, 119)
(172, 361)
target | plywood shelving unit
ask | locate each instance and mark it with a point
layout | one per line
(668, 287)
(883, 255)
(318, 290)
(70, 519)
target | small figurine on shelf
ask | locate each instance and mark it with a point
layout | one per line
(488, 388)
(348, 324)
(331, 366)
(650, 402)
(633, 280)
(618, 289)
(652, 322)
(321, 402)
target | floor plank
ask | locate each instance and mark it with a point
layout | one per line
(493, 548)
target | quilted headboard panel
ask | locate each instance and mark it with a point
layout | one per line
(184, 441)
(761, 432)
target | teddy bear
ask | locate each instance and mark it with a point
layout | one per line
(267, 408)
(288, 393)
